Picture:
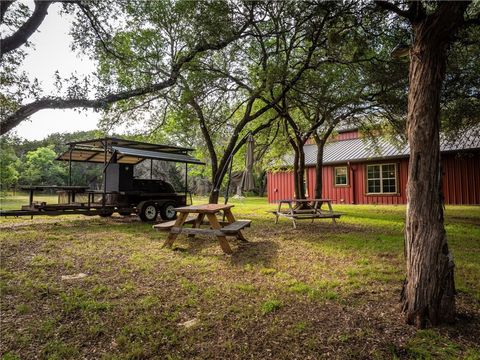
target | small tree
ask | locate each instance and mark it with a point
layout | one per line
(9, 163)
(40, 167)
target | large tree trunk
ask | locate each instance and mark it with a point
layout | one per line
(298, 169)
(428, 293)
(320, 142)
(319, 167)
(302, 191)
(296, 181)
(213, 198)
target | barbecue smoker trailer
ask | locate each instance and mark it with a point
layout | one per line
(122, 192)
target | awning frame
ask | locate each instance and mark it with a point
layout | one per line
(132, 152)
(109, 149)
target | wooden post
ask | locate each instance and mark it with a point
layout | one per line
(104, 197)
(231, 219)
(221, 238)
(70, 167)
(186, 182)
(172, 236)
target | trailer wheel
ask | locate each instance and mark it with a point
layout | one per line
(167, 211)
(147, 211)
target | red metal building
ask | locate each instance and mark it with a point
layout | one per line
(361, 170)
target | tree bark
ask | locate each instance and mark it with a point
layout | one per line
(428, 292)
(298, 170)
(320, 141)
(302, 191)
(213, 198)
(319, 167)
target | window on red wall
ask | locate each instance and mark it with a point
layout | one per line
(382, 179)
(341, 176)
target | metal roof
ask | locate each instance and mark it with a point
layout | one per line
(128, 151)
(365, 149)
(159, 155)
(114, 141)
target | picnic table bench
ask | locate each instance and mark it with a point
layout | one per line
(313, 212)
(217, 228)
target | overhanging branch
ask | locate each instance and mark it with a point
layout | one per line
(384, 4)
(9, 122)
(24, 32)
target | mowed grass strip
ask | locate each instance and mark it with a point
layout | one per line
(320, 290)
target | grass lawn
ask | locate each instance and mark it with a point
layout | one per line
(316, 292)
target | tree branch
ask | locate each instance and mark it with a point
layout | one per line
(384, 4)
(206, 135)
(3, 9)
(23, 33)
(8, 123)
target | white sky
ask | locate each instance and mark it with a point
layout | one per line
(52, 52)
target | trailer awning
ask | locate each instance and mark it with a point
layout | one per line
(127, 152)
(131, 154)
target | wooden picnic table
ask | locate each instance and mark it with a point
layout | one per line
(219, 229)
(313, 212)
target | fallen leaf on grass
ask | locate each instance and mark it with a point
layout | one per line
(189, 323)
(74, 277)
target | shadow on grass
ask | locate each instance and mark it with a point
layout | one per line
(263, 252)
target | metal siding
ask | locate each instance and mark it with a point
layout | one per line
(461, 182)
(311, 178)
(347, 135)
(458, 192)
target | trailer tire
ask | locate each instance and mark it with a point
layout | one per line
(147, 211)
(167, 211)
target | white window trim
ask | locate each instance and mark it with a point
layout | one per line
(381, 179)
(335, 176)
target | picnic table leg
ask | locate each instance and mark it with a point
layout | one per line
(231, 219)
(221, 239)
(197, 223)
(276, 214)
(331, 212)
(172, 236)
(293, 214)
(316, 210)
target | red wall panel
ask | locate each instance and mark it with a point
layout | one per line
(461, 179)
(347, 135)
(280, 185)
